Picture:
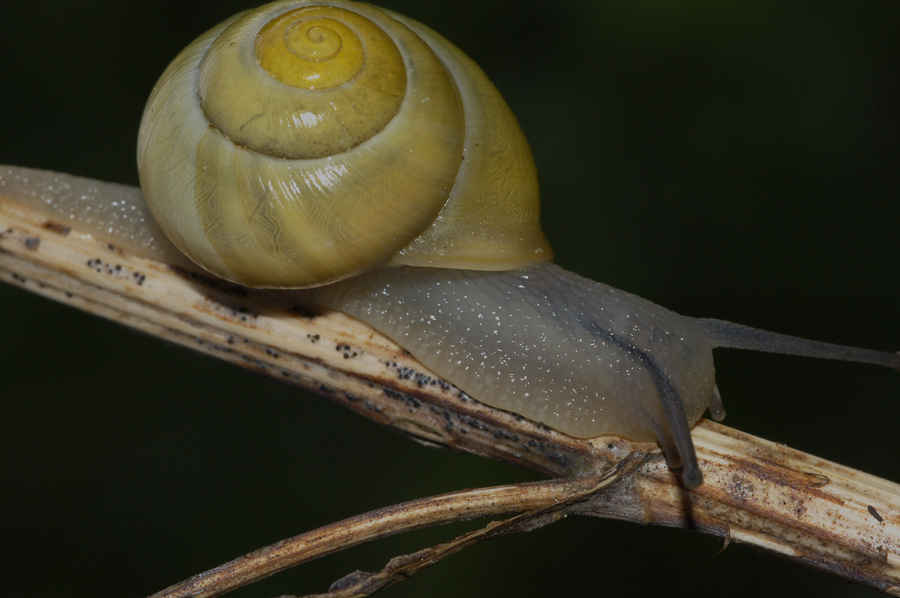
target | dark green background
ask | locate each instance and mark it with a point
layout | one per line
(734, 160)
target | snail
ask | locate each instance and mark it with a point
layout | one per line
(454, 266)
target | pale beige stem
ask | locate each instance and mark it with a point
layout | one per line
(755, 492)
(541, 498)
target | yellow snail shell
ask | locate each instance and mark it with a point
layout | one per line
(328, 140)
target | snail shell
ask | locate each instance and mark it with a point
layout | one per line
(299, 144)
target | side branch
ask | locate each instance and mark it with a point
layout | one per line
(543, 502)
(756, 492)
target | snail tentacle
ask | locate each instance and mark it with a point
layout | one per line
(675, 436)
(737, 336)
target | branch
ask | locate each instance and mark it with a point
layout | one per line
(544, 502)
(755, 492)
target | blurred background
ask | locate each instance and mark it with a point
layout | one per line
(734, 160)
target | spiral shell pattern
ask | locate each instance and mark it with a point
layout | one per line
(302, 143)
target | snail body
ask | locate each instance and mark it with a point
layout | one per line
(453, 265)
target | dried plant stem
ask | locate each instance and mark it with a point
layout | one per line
(544, 502)
(756, 492)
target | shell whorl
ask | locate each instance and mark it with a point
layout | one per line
(299, 144)
(321, 80)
